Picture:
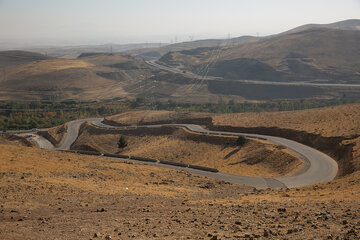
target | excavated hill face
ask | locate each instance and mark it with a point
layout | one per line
(313, 54)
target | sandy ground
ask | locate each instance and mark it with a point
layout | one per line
(255, 158)
(55, 195)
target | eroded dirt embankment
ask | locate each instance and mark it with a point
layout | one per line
(198, 121)
(55, 134)
(255, 158)
(333, 146)
(12, 139)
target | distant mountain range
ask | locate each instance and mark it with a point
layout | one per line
(353, 24)
(311, 53)
(303, 54)
(75, 51)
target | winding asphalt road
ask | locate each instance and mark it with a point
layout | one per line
(317, 166)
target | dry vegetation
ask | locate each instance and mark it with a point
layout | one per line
(172, 144)
(341, 124)
(35, 76)
(334, 130)
(136, 118)
(305, 55)
(328, 122)
(48, 195)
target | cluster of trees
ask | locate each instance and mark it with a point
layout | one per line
(29, 115)
(232, 107)
(17, 115)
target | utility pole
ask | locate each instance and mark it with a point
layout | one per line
(229, 39)
(4, 74)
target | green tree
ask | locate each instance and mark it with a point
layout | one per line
(122, 143)
(241, 141)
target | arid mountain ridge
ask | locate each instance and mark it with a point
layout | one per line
(313, 54)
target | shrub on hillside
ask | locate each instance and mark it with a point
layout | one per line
(122, 143)
(241, 141)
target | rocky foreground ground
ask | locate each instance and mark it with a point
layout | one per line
(53, 195)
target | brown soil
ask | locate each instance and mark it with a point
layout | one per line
(135, 118)
(10, 139)
(340, 121)
(56, 195)
(173, 144)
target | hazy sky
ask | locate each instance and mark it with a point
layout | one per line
(123, 21)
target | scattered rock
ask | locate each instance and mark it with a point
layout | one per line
(208, 185)
(214, 238)
(281, 210)
(97, 235)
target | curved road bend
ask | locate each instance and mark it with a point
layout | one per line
(317, 166)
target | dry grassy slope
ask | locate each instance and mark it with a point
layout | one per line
(46, 194)
(326, 47)
(171, 144)
(333, 130)
(341, 123)
(304, 53)
(53, 74)
(9, 139)
(157, 52)
(184, 46)
(91, 77)
(102, 76)
(328, 122)
(151, 117)
(351, 24)
(13, 58)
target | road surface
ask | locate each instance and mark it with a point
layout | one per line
(317, 166)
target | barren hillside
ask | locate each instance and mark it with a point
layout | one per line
(46, 194)
(315, 54)
(333, 130)
(172, 144)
